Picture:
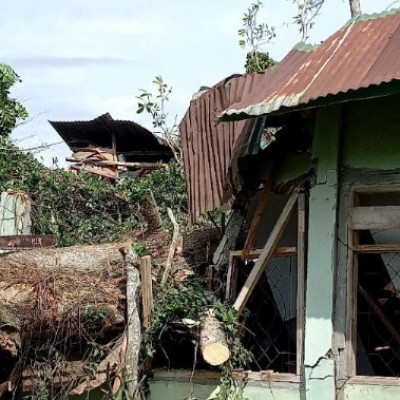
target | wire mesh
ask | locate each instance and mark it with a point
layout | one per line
(271, 322)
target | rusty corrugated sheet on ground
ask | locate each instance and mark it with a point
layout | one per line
(364, 53)
(207, 149)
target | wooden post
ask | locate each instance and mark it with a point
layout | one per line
(172, 248)
(266, 254)
(147, 290)
(15, 208)
(256, 221)
(301, 252)
(133, 319)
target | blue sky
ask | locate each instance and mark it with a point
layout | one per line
(81, 58)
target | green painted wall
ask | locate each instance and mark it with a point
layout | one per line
(371, 392)
(371, 134)
(167, 390)
(319, 371)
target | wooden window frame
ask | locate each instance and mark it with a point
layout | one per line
(359, 218)
(299, 251)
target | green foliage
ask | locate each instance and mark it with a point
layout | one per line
(253, 36)
(154, 104)
(258, 61)
(11, 111)
(189, 300)
(307, 11)
(84, 208)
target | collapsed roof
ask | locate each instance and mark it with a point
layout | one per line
(130, 139)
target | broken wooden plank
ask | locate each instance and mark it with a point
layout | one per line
(256, 221)
(266, 254)
(147, 290)
(19, 242)
(379, 217)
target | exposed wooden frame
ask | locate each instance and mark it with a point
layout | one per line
(301, 259)
(266, 254)
(233, 267)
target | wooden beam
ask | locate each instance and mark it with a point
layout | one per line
(301, 256)
(379, 217)
(279, 252)
(139, 165)
(266, 254)
(376, 248)
(147, 290)
(256, 221)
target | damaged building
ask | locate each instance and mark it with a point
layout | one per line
(306, 155)
(112, 148)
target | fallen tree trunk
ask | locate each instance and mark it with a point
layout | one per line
(213, 345)
(54, 290)
(52, 295)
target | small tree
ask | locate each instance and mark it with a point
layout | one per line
(11, 111)
(307, 12)
(253, 36)
(155, 106)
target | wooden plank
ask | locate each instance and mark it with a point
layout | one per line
(279, 252)
(18, 242)
(376, 248)
(256, 221)
(301, 255)
(147, 290)
(379, 217)
(139, 165)
(231, 279)
(267, 253)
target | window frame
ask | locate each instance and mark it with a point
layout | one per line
(355, 223)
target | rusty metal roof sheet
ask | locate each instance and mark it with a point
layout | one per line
(132, 140)
(207, 149)
(364, 53)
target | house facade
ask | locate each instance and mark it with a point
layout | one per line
(319, 269)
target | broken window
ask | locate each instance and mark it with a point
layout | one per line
(273, 323)
(375, 243)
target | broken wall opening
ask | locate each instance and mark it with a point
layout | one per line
(274, 319)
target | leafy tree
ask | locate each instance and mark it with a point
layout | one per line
(11, 111)
(307, 12)
(253, 36)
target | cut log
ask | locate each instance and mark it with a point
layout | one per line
(213, 345)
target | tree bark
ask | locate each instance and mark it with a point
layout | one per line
(151, 213)
(213, 346)
(355, 8)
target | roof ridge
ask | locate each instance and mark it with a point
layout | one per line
(377, 15)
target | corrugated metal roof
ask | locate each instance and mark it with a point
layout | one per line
(207, 149)
(364, 53)
(136, 142)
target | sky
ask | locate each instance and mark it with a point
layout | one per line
(79, 59)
